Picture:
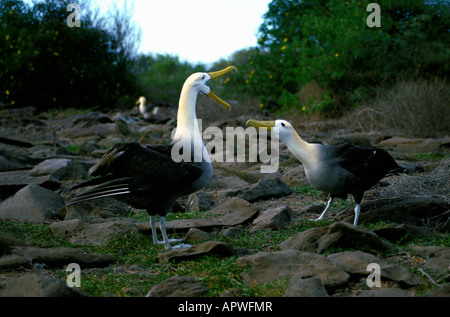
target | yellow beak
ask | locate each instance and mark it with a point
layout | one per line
(218, 74)
(260, 124)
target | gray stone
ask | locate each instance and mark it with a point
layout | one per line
(403, 231)
(409, 210)
(178, 286)
(11, 182)
(276, 218)
(33, 203)
(211, 247)
(309, 287)
(266, 267)
(337, 235)
(62, 169)
(442, 291)
(38, 285)
(79, 232)
(232, 212)
(355, 263)
(195, 235)
(391, 292)
(232, 232)
(34, 257)
(200, 201)
(266, 188)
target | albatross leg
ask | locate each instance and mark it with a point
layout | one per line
(167, 241)
(324, 212)
(357, 211)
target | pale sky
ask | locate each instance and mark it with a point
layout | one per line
(196, 30)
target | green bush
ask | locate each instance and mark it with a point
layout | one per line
(162, 76)
(328, 42)
(46, 64)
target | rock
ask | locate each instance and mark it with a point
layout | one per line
(178, 286)
(33, 203)
(11, 182)
(34, 257)
(232, 212)
(182, 254)
(38, 285)
(89, 119)
(195, 235)
(276, 218)
(266, 188)
(232, 232)
(200, 201)
(437, 263)
(360, 138)
(443, 291)
(403, 231)
(49, 166)
(79, 232)
(94, 133)
(7, 245)
(295, 177)
(106, 207)
(391, 292)
(415, 146)
(337, 235)
(308, 287)
(408, 210)
(61, 169)
(355, 263)
(267, 267)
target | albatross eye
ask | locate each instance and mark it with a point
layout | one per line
(282, 124)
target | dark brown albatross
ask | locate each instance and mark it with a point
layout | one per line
(152, 177)
(338, 169)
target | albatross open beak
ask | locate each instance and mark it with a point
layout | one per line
(260, 124)
(218, 74)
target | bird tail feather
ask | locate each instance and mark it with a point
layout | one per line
(115, 188)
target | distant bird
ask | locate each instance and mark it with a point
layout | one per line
(338, 169)
(149, 176)
(144, 109)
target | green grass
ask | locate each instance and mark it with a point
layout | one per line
(430, 156)
(137, 268)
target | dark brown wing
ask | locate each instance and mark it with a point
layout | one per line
(369, 164)
(137, 170)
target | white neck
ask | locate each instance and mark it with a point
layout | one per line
(303, 151)
(187, 125)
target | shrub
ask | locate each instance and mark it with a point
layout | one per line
(46, 64)
(162, 76)
(329, 42)
(416, 107)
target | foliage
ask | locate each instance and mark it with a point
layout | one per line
(162, 76)
(47, 64)
(329, 42)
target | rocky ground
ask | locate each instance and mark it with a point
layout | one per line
(404, 220)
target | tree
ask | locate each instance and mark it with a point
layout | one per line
(329, 42)
(47, 64)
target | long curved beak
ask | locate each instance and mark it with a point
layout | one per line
(218, 74)
(260, 124)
